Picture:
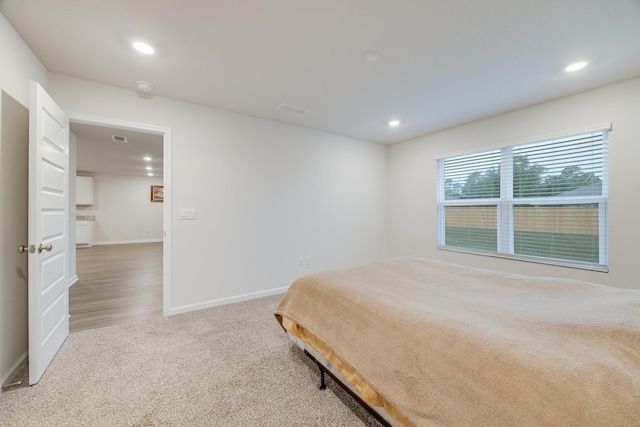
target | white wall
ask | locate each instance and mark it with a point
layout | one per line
(412, 184)
(14, 152)
(266, 194)
(123, 209)
(19, 65)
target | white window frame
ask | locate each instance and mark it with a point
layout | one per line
(505, 208)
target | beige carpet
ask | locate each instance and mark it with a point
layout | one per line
(225, 366)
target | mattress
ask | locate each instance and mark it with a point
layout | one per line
(435, 343)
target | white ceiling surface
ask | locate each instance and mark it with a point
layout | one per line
(97, 152)
(443, 63)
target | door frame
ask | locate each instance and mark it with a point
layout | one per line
(165, 132)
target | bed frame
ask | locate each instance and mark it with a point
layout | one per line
(325, 368)
(323, 386)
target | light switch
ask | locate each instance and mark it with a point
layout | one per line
(188, 213)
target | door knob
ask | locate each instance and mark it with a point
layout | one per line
(44, 248)
(23, 249)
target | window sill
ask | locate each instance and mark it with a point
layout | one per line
(538, 260)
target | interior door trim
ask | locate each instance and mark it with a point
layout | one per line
(165, 132)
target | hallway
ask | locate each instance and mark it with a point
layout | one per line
(117, 284)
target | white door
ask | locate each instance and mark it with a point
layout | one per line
(48, 230)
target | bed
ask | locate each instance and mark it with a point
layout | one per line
(428, 343)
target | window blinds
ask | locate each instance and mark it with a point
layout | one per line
(545, 200)
(562, 167)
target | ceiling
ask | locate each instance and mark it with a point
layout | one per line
(98, 152)
(442, 63)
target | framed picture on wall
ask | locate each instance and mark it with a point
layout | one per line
(157, 193)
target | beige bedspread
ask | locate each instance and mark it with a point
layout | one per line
(449, 345)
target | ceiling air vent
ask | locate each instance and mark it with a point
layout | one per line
(117, 138)
(292, 109)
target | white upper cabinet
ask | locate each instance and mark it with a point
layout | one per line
(84, 190)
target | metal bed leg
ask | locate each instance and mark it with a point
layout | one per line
(323, 386)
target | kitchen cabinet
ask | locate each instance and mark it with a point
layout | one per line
(84, 190)
(83, 233)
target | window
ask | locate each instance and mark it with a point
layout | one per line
(544, 201)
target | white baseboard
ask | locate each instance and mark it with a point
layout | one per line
(73, 280)
(13, 370)
(126, 242)
(223, 301)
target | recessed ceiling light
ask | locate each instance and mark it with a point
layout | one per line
(147, 158)
(149, 174)
(149, 168)
(576, 66)
(371, 56)
(394, 122)
(143, 48)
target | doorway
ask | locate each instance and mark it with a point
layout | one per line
(122, 270)
(116, 284)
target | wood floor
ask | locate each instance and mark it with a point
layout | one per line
(117, 284)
